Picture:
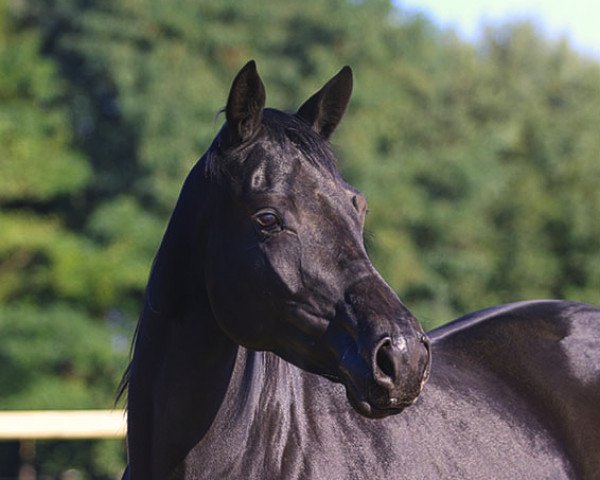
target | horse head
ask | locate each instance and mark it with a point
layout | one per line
(285, 265)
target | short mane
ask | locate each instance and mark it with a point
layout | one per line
(281, 127)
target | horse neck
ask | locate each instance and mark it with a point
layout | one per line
(181, 371)
(191, 386)
(209, 392)
(266, 403)
(261, 384)
(177, 316)
(182, 361)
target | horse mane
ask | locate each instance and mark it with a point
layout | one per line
(122, 388)
(284, 127)
(281, 128)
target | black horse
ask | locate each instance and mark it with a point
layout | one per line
(269, 347)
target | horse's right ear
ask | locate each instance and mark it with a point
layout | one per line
(245, 104)
(324, 110)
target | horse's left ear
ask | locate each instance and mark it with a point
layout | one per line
(245, 104)
(324, 110)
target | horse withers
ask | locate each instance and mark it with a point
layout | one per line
(270, 347)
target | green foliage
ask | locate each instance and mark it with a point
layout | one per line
(477, 179)
(60, 358)
(55, 358)
(87, 459)
(35, 160)
(480, 164)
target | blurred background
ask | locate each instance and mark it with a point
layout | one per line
(476, 139)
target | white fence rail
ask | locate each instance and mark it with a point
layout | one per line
(62, 424)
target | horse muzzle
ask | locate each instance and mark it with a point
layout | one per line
(390, 378)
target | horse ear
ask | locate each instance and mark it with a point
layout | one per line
(324, 110)
(245, 104)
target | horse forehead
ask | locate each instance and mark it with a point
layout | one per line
(286, 169)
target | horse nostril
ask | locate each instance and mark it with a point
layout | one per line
(385, 367)
(401, 363)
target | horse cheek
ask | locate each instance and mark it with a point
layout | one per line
(284, 259)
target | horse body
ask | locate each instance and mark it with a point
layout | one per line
(481, 416)
(269, 346)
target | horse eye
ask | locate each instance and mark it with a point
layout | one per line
(267, 220)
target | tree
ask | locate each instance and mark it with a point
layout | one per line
(55, 353)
